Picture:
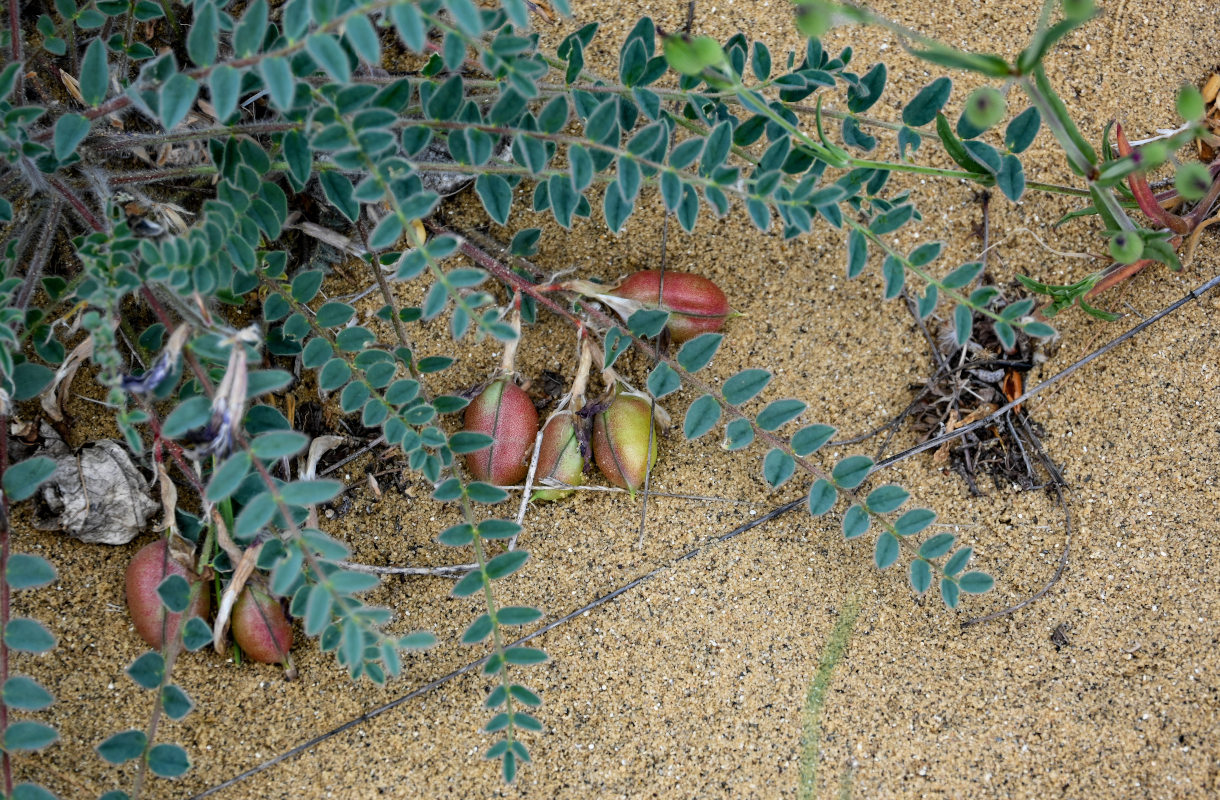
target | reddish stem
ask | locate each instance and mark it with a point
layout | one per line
(1117, 274)
(1143, 192)
(5, 764)
(76, 203)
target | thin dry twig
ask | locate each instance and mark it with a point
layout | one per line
(1063, 562)
(445, 571)
(529, 485)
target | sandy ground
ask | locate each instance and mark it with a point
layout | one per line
(692, 684)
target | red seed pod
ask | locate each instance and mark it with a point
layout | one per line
(559, 457)
(621, 445)
(506, 414)
(696, 305)
(260, 628)
(145, 573)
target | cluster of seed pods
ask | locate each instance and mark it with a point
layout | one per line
(259, 625)
(620, 432)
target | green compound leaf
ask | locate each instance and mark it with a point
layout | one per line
(496, 195)
(745, 385)
(892, 220)
(698, 352)
(963, 275)
(25, 694)
(458, 535)
(177, 96)
(28, 635)
(123, 746)
(308, 493)
(524, 695)
(417, 640)
(822, 496)
(148, 670)
(949, 592)
(94, 76)
(29, 379)
(920, 575)
(738, 434)
(196, 634)
(936, 546)
(855, 522)
(647, 323)
(778, 467)
(228, 477)
(175, 593)
(894, 274)
(506, 564)
(70, 131)
(616, 344)
(701, 417)
(663, 381)
(469, 442)
(1020, 133)
(924, 107)
(778, 413)
(278, 444)
(177, 703)
(478, 630)
(32, 791)
(914, 521)
(976, 582)
(28, 572)
(485, 493)
(22, 479)
(886, 551)
(963, 324)
(857, 253)
(168, 761)
(28, 735)
(518, 615)
(524, 656)
(886, 498)
(1011, 178)
(498, 529)
(469, 584)
(851, 471)
(810, 438)
(329, 54)
(957, 562)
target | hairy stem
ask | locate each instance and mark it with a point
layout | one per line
(6, 765)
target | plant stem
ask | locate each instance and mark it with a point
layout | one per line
(6, 765)
(14, 32)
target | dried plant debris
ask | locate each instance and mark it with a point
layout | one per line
(969, 384)
(96, 494)
(1211, 99)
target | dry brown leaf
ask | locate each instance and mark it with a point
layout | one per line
(55, 396)
(73, 86)
(953, 423)
(243, 569)
(95, 494)
(1211, 88)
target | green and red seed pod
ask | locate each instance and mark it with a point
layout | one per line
(559, 456)
(260, 628)
(150, 566)
(622, 447)
(505, 413)
(696, 305)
